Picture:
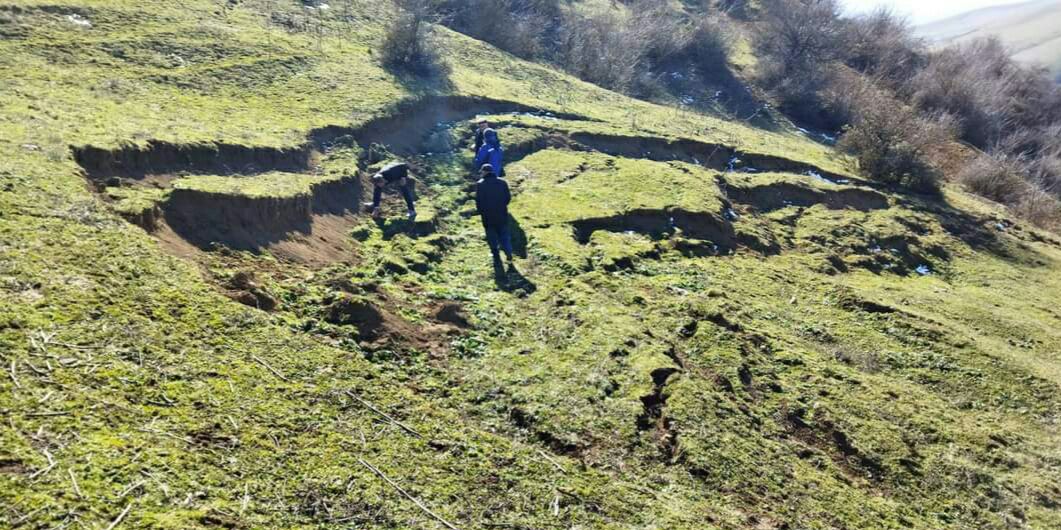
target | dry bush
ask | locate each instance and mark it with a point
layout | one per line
(407, 43)
(603, 47)
(798, 43)
(973, 82)
(799, 35)
(999, 177)
(892, 141)
(519, 27)
(882, 44)
(1040, 208)
(710, 44)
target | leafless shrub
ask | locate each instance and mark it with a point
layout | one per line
(1040, 208)
(406, 43)
(710, 44)
(973, 82)
(799, 35)
(516, 26)
(798, 43)
(891, 141)
(999, 177)
(603, 47)
(882, 44)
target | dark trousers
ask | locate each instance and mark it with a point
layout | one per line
(498, 237)
(407, 192)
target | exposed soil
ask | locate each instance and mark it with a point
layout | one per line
(164, 158)
(205, 219)
(777, 195)
(714, 156)
(828, 437)
(659, 224)
(290, 225)
(406, 126)
(378, 327)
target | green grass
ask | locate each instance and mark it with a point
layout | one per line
(272, 184)
(630, 381)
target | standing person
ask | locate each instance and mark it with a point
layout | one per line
(481, 127)
(491, 153)
(396, 173)
(491, 200)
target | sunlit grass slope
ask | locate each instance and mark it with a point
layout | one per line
(680, 346)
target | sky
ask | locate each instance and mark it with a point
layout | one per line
(923, 11)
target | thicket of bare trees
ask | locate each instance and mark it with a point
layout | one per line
(896, 101)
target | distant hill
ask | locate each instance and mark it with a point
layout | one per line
(1032, 29)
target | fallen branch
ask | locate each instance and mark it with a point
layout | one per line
(129, 489)
(14, 378)
(270, 368)
(73, 479)
(170, 435)
(406, 494)
(551, 461)
(45, 470)
(121, 516)
(45, 414)
(369, 406)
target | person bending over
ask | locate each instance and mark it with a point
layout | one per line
(396, 173)
(491, 200)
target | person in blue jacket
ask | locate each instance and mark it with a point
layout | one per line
(491, 153)
(491, 200)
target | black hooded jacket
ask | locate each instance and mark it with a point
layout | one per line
(394, 172)
(491, 199)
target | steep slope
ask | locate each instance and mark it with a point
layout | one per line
(1032, 30)
(708, 325)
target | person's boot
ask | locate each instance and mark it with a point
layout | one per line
(377, 213)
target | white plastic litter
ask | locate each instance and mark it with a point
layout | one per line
(79, 20)
(923, 270)
(732, 215)
(818, 176)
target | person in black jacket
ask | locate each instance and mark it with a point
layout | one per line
(396, 173)
(480, 131)
(491, 200)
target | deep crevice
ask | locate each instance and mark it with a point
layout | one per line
(778, 195)
(662, 223)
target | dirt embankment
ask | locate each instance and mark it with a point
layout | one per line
(660, 223)
(777, 195)
(205, 219)
(405, 127)
(162, 158)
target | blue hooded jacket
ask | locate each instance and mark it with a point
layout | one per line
(491, 153)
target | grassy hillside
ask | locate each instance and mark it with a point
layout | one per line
(708, 325)
(1031, 29)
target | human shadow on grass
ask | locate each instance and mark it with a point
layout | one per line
(511, 280)
(519, 238)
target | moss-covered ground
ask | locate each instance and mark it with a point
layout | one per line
(676, 345)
